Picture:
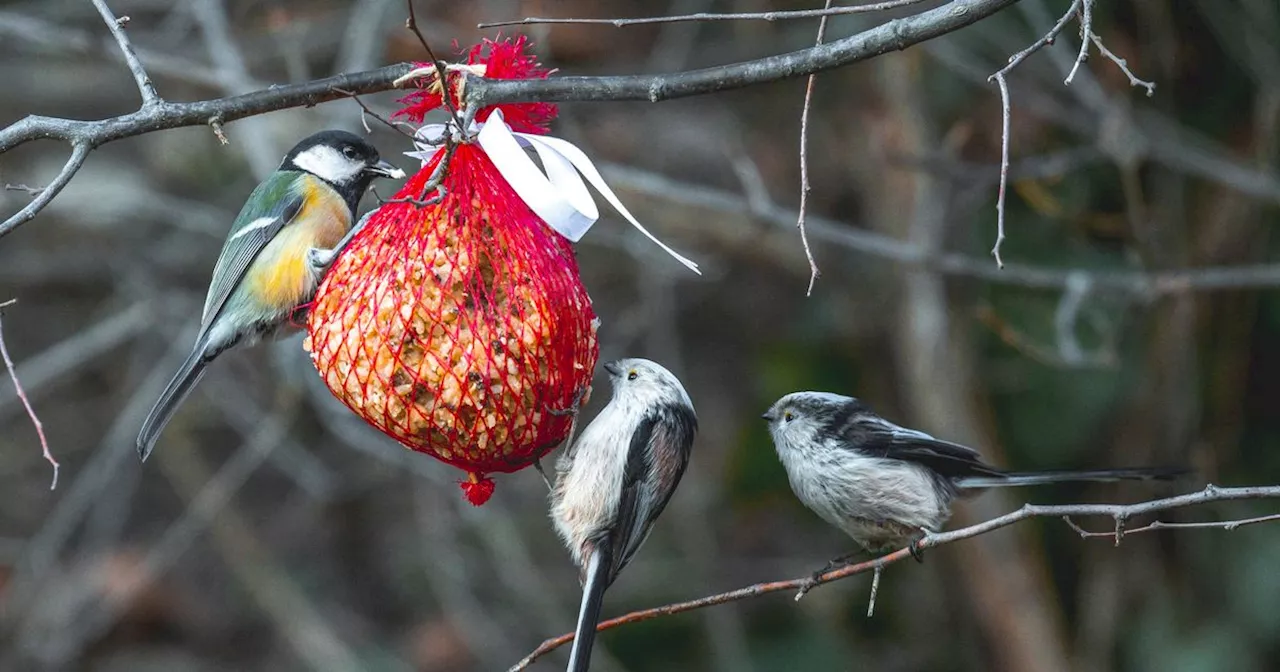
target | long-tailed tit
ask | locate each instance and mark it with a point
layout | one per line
(615, 480)
(885, 485)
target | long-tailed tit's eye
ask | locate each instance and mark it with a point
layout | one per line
(788, 417)
(631, 375)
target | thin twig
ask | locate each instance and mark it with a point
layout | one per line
(1086, 29)
(1227, 525)
(1041, 43)
(365, 110)
(1005, 116)
(1120, 512)
(804, 163)
(713, 16)
(26, 403)
(1123, 65)
(30, 191)
(875, 589)
(148, 90)
(215, 123)
(442, 68)
(79, 152)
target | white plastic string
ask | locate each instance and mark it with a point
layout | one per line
(558, 195)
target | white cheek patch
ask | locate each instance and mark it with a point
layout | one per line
(328, 164)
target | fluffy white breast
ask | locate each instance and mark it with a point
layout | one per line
(586, 494)
(847, 489)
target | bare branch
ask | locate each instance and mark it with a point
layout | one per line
(804, 164)
(1041, 43)
(116, 26)
(1004, 166)
(1086, 29)
(1123, 65)
(79, 152)
(1083, 8)
(712, 16)
(1119, 512)
(1228, 525)
(168, 115)
(26, 403)
(85, 136)
(894, 35)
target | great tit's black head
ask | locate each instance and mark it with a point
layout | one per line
(340, 158)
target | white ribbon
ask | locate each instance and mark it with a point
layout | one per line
(558, 196)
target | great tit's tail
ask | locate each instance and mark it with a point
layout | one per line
(1014, 478)
(589, 613)
(174, 394)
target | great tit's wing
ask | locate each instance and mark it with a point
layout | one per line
(872, 435)
(271, 206)
(656, 461)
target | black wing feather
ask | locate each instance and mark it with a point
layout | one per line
(877, 437)
(646, 489)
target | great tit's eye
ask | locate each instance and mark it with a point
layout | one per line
(631, 375)
(349, 152)
(788, 417)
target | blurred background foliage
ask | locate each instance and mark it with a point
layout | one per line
(274, 531)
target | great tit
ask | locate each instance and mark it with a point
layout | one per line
(286, 236)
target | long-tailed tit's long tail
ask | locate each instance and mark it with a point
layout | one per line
(589, 613)
(1012, 479)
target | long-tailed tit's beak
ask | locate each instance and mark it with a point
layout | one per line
(767, 415)
(386, 170)
(613, 368)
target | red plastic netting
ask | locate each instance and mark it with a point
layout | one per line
(460, 329)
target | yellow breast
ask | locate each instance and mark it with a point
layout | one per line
(281, 276)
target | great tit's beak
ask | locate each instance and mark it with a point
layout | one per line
(613, 368)
(386, 170)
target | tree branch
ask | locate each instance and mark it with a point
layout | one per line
(116, 26)
(1118, 512)
(168, 115)
(712, 16)
(84, 136)
(79, 152)
(894, 35)
(159, 115)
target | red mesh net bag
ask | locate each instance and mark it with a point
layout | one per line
(460, 328)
